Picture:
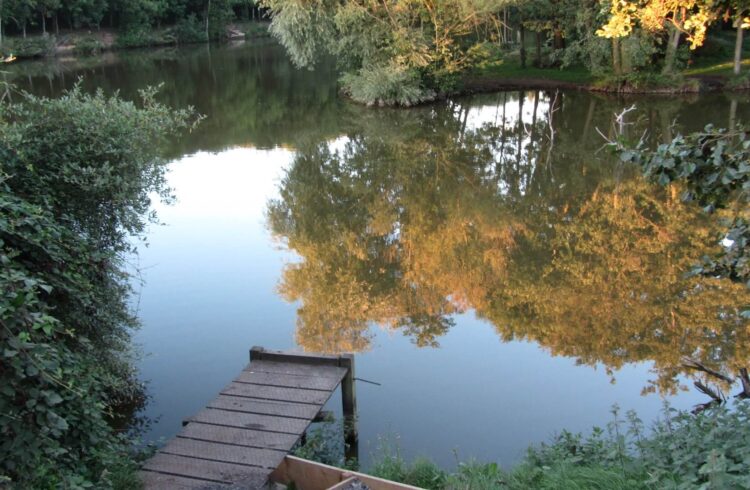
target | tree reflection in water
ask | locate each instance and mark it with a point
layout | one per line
(510, 211)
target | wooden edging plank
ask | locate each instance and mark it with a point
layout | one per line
(265, 407)
(309, 475)
(288, 381)
(253, 421)
(239, 437)
(277, 393)
(292, 369)
(261, 354)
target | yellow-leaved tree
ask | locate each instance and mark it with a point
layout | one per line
(678, 18)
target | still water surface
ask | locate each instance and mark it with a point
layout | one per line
(497, 272)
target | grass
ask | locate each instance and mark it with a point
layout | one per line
(511, 69)
(680, 450)
(722, 68)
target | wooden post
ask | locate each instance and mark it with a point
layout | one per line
(349, 403)
(256, 353)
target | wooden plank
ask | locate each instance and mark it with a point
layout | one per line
(239, 437)
(267, 407)
(208, 470)
(224, 453)
(151, 479)
(297, 369)
(277, 393)
(261, 354)
(287, 380)
(253, 421)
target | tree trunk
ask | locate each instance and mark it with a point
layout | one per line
(24, 30)
(616, 61)
(44, 23)
(671, 55)
(57, 25)
(738, 48)
(522, 35)
(208, 15)
(558, 41)
(538, 60)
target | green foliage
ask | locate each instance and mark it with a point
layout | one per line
(77, 173)
(190, 30)
(325, 444)
(386, 85)
(88, 45)
(140, 38)
(647, 81)
(257, 30)
(420, 473)
(683, 451)
(714, 166)
(741, 82)
(33, 47)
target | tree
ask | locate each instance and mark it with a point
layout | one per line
(739, 11)
(412, 48)
(676, 17)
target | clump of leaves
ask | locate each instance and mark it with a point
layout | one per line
(386, 85)
(714, 166)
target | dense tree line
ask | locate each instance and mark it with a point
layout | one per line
(50, 16)
(405, 52)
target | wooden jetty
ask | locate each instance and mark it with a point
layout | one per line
(246, 432)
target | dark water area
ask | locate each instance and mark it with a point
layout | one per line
(494, 267)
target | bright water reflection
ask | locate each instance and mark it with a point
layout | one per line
(489, 226)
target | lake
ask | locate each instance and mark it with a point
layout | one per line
(499, 274)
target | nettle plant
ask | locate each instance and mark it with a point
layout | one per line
(714, 167)
(76, 176)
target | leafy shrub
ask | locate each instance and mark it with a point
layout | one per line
(76, 174)
(648, 81)
(741, 82)
(421, 472)
(708, 450)
(88, 45)
(141, 39)
(386, 85)
(190, 30)
(257, 29)
(31, 47)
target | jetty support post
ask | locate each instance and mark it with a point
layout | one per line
(349, 405)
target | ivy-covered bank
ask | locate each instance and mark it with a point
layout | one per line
(76, 174)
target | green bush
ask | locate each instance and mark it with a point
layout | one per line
(421, 472)
(190, 30)
(386, 85)
(141, 39)
(76, 175)
(32, 47)
(257, 29)
(88, 46)
(709, 450)
(648, 81)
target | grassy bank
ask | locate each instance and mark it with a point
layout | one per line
(711, 69)
(680, 450)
